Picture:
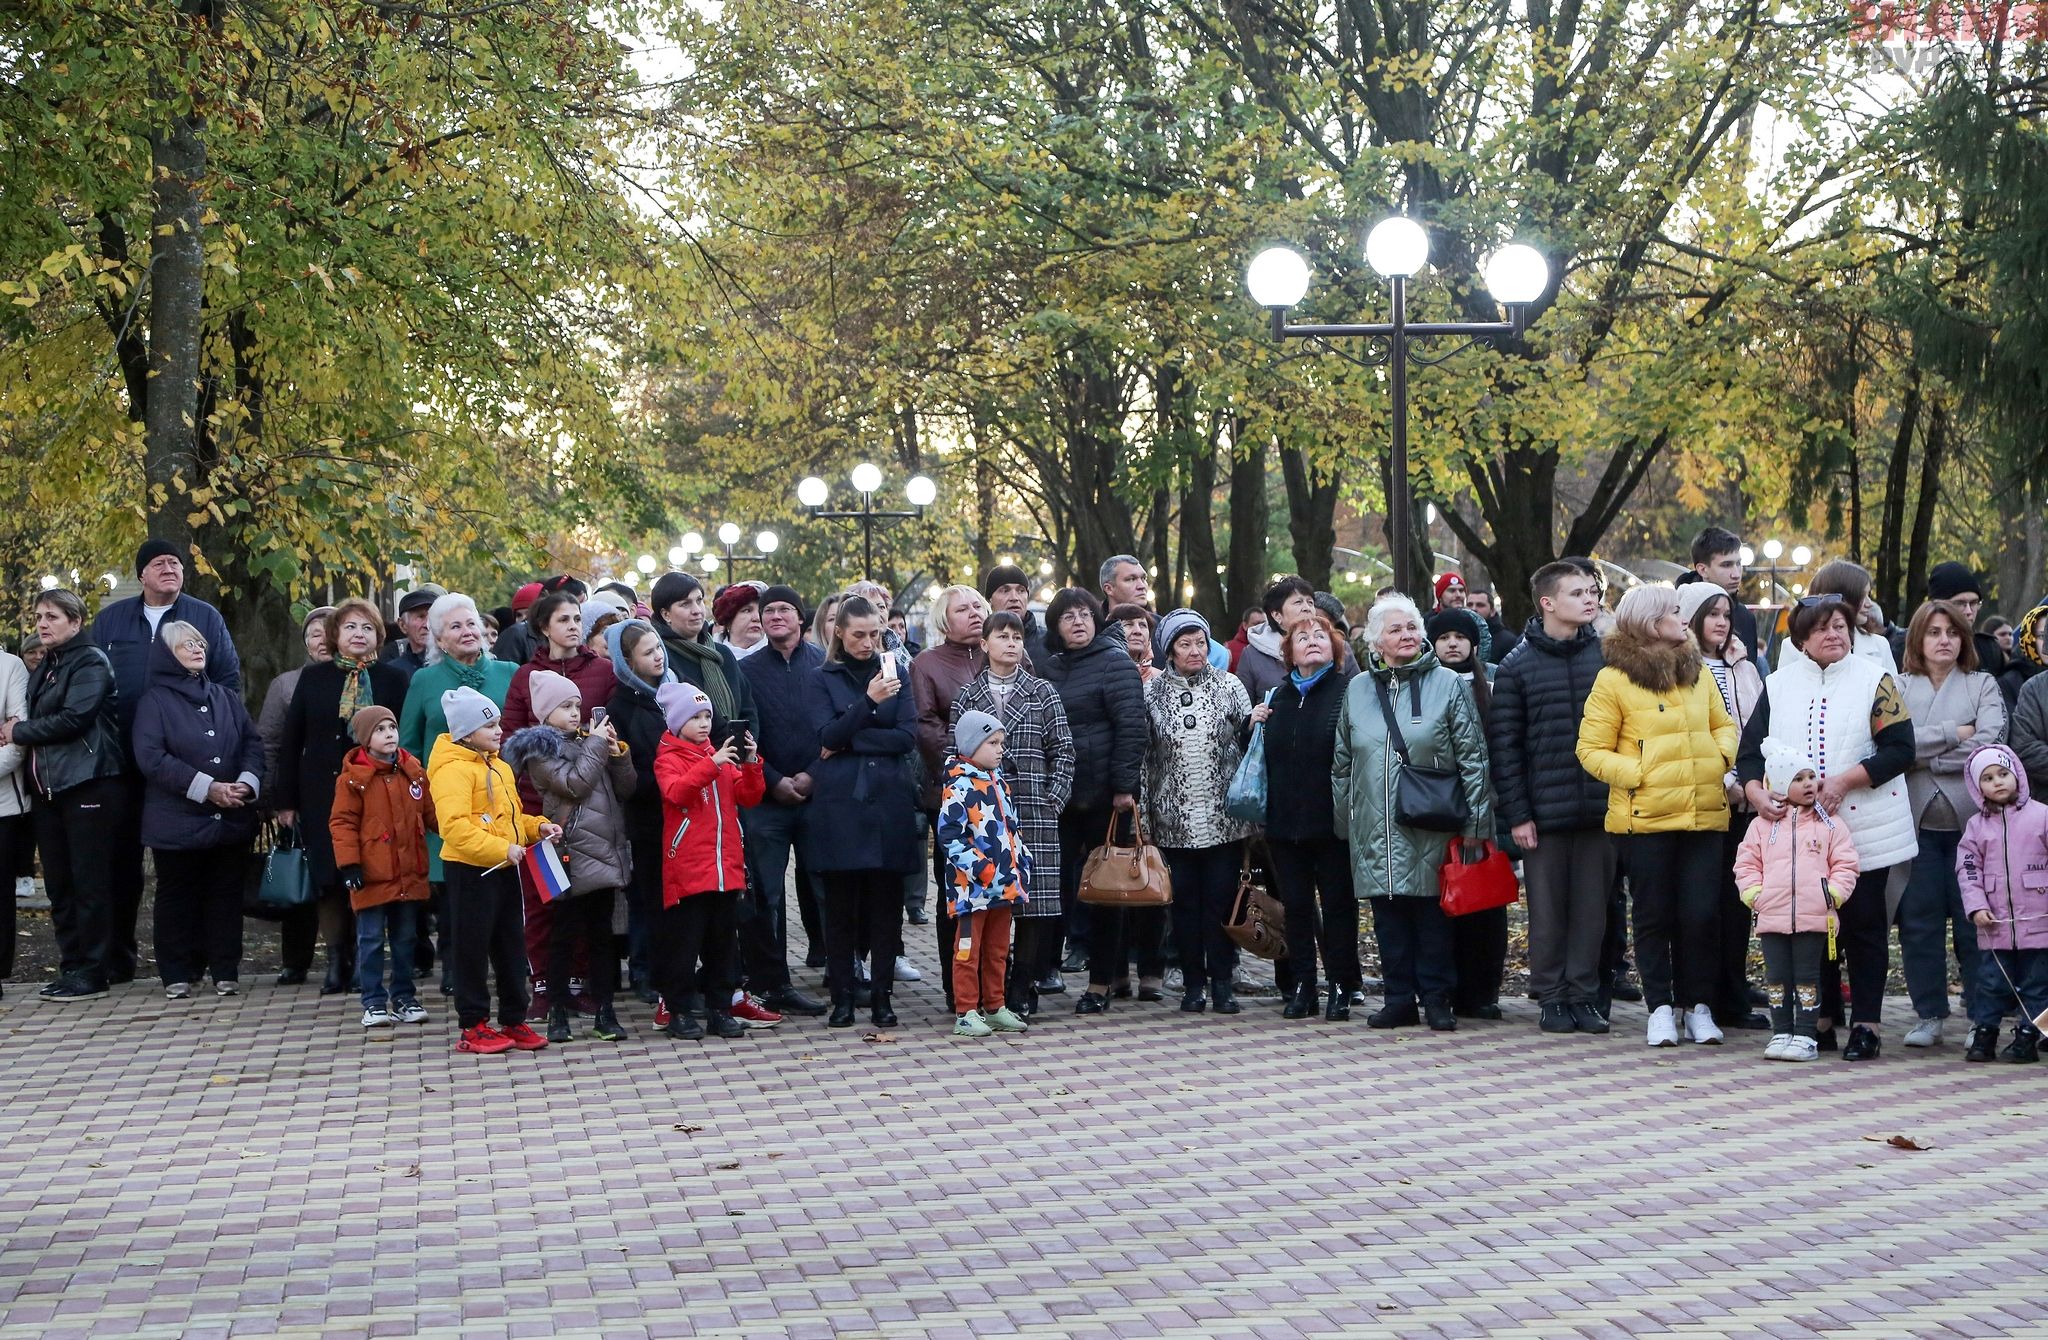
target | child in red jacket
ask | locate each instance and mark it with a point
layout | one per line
(704, 865)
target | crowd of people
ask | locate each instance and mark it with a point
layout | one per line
(533, 796)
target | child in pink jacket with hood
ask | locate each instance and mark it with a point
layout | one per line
(1793, 874)
(2002, 866)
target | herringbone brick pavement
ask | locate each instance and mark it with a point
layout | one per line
(259, 1167)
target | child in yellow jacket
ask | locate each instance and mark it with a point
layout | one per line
(483, 839)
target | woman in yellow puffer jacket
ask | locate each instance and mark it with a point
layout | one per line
(1657, 732)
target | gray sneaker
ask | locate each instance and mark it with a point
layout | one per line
(409, 1012)
(1926, 1033)
(378, 1017)
(178, 991)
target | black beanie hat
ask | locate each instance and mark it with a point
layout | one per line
(669, 588)
(1949, 580)
(1001, 575)
(1453, 621)
(152, 550)
(785, 594)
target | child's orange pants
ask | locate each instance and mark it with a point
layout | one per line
(978, 978)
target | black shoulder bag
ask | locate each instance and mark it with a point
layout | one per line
(1432, 799)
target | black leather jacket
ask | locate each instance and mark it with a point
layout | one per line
(72, 730)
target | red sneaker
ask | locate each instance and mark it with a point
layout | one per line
(522, 1037)
(754, 1014)
(483, 1040)
(661, 1012)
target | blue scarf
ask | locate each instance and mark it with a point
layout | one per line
(1302, 686)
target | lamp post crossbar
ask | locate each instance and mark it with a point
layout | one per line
(867, 516)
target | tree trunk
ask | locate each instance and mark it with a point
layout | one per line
(1891, 577)
(1198, 541)
(984, 503)
(1158, 534)
(1931, 460)
(1248, 573)
(1311, 516)
(177, 282)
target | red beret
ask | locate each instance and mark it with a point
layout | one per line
(733, 599)
(523, 598)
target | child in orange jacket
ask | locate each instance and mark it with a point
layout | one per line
(381, 817)
(704, 864)
(1793, 874)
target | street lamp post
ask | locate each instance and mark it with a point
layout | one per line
(1773, 550)
(918, 491)
(765, 543)
(1397, 249)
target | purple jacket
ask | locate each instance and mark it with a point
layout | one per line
(2002, 863)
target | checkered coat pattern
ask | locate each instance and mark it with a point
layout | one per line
(1038, 762)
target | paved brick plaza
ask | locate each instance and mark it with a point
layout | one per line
(256, 1167)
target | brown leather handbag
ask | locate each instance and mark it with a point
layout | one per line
(1133, 876)
(1258, 923)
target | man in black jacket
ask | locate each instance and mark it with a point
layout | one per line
(126, 630)
(1555, 808)
(1717, 558)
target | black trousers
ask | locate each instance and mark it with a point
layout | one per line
(1080, 833)
(643, 900)
(1479, 955)
(77, 830)
(488, 933)
(864, 903)
(1033, 942)
(1864, 941)
(1204, 883)
(1674, 880)
(1792, 972)
(1731, 1001)
(17, 835)
(1416, 959)
(199, 912)
(702, 928)
(124, 878)
(584, 920)
(1308, 875)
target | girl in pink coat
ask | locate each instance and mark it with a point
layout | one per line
(2002, 866)
(1793, 874)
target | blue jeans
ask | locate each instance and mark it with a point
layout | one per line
(402, 922)
(1930, 911)
(2000, 971)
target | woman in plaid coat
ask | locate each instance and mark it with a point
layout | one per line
(1038, 761)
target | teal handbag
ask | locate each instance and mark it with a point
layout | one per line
(284, 881)
(1246, 799)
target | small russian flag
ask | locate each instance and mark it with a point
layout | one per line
(544, 867)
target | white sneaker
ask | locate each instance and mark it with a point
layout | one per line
(860, 970)
(1926, 1033)
(1774, 1050)
(412, 1012)
(378, 1017)
(905, 972)
(1701, 1028)
(24, 886)
(178, 991)
(230, 987)
(1801, 1049)
(1663, 1027)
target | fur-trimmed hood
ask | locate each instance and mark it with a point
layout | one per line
(531, 742)
(1656, 665)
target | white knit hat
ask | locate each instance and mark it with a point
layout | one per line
(1783, 763)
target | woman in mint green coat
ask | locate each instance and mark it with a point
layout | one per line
(1393, 864)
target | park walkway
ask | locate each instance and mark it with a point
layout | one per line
(257, 1167)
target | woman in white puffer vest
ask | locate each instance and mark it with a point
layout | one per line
(1847, 714)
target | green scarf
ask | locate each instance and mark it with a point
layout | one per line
(355, 685)
(468, 676)
(711, 666)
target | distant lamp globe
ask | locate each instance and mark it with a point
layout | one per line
(1516, 274)
(1277, 277)
(920, 491)
(866, 478)
(767, 541)
(1802, 555)
(1397, 247)
(645, 563)
(728, 534)
(812, 491)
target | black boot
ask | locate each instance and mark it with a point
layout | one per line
(1442, 1018)
(1338, 1009)
(558, 1025)
(338, 974)
(1223, 999)
(2024, 1047)
(606, 1025)
(1983, 1044)
(684, 1027)
(1302, 1004)
(1391, 1015)
(721, 1024)
(842, 1010)
(883, 1016)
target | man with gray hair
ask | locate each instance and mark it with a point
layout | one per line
(1124, 582)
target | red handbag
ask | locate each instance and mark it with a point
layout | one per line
(1481, 886)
